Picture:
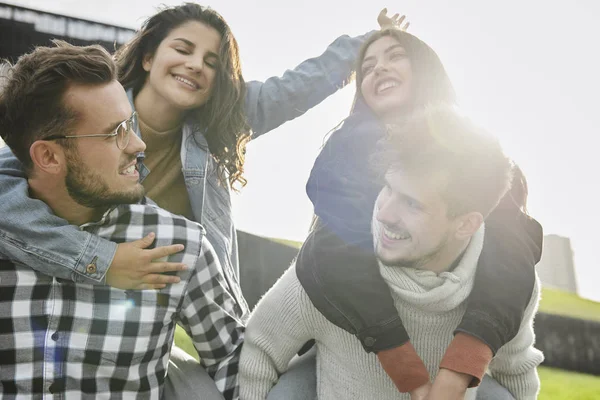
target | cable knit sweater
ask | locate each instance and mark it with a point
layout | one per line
(431, 307)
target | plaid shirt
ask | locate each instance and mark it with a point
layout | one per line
(65, 340)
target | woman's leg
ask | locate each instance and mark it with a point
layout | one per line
(300, 380)
(490, 389)
(505, 277)
(344, 284)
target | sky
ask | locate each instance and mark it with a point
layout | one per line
(528, 71)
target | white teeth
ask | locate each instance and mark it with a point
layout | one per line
(129, 171)
(386, 85)
(186, 81)
(394, 235)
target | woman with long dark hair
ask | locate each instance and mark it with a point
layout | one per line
(196, 114)
(336, 265)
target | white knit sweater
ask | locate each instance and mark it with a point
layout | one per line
(431, 307)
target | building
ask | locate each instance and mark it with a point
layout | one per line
(22, 28)
(556, 268)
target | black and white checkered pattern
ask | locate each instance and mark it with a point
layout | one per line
(64, 340)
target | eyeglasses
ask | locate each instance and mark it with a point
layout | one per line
(121, 133)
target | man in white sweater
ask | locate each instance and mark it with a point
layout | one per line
(443, 177)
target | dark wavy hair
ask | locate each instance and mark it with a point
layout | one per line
(222, 119)
(431, 82)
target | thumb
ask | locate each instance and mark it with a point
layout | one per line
(382, 13)
(145, 242)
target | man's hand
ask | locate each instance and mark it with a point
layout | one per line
(449, 385)
(133, 266)
(421, 392)
(394, 22)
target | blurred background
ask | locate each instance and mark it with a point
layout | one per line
(526, 70)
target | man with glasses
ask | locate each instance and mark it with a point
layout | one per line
(68, 120)
(120, 133)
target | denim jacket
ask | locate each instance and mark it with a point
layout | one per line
(31, 234)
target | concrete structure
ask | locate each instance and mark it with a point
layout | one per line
(23, 28)
(262, 262)
(556, 269)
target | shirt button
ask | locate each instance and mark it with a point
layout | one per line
(90, 269)
(53, 388)
(54, 336)
(369, 341)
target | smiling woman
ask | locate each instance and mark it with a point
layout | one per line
(182, 75)
(386, 77)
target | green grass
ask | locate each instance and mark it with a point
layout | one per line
(183, 341)
(556, 301)
(563, 385)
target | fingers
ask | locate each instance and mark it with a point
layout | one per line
(164, 251)
(405, 27)
(158, 279)
(144, 242)
(400, 20)
(147, 286)
(162, 267)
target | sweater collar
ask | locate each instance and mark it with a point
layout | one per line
(436, 292)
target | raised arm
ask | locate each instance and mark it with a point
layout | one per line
(31, 234)
(214, 320)
(281, 99)
(277, 330)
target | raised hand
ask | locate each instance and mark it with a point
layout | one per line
(133, 266)
(396, 21)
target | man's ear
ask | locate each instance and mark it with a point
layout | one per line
(468, 224)
(47, 156)
(147, 62)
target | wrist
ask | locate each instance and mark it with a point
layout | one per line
(448, 381)
(467, 355)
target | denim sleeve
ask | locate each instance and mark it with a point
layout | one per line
(32, 235)
(281, 99)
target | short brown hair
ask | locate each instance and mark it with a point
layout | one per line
(437, 139)
(31, 100)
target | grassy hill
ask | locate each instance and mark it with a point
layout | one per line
(556, 301)
(562, 385)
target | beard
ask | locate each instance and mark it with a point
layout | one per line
(89, 189)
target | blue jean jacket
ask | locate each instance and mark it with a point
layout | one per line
(31, 234)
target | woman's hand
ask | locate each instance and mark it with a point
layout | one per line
(392, 22)
(133, 266)
(421, 392)
(449, 385)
